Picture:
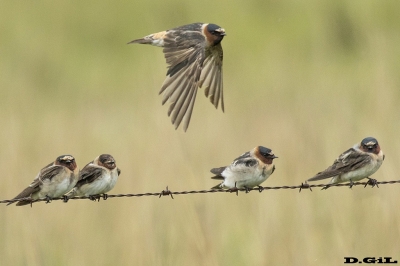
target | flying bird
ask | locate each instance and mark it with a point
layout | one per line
(96, 178)
(357, 163)
(248, 170)
(194, 56)
(53, 181)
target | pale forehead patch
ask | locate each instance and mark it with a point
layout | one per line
(67, 157)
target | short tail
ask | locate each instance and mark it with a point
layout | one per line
(24, 202)
(142, 41)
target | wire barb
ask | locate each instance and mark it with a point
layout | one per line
(305, 185)
(167, 192)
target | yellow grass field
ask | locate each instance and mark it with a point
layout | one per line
(307, 79)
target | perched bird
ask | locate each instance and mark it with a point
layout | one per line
(53, 181)
(248, 170)
(194, 56)
(357, 163)
(97, 177)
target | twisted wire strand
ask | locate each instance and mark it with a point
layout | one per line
(167, 192)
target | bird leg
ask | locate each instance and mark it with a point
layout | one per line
(65, 197)
(48, 199)
(260, 189)
(94, 197)
(247, 189)
(105, 196)
(351, 184)
(326, 187)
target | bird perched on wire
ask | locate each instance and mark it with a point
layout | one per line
(53, 181)
(96, 178)
(248, 170)
(194, 56)
(357, 163)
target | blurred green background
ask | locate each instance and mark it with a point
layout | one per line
(307, 79)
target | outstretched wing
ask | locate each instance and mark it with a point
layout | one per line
(349, 160)
(211, 75)
(184, 52)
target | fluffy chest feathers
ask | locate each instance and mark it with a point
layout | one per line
(58, 185)
(100, 185)
(244, 176)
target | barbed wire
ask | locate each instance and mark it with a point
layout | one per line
(167, 192)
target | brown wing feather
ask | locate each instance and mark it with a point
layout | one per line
(348, 161)
(211, 75)
(184, 53)
(47, 172)
(88, 174)
(50, 172)
(27, 192)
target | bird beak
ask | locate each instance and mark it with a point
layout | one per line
(274, 157)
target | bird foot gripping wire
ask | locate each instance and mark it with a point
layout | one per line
(372, 182)
(261, 189)
(48, 199)
(304, 186)
(326, 187)
(94, 198)
(351, 184)
(65, 198)
(166, 192)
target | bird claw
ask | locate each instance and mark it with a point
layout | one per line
(65, 198)
(326, 187)
(247, 189)
(372, 182)
(304, 186)
(105, 196)
(94, 198)
(260, 189)
(351, 184)
(166, 192)
(48, 199)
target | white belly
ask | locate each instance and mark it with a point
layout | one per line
(249, 178)
(358, 174)
(101, 185)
